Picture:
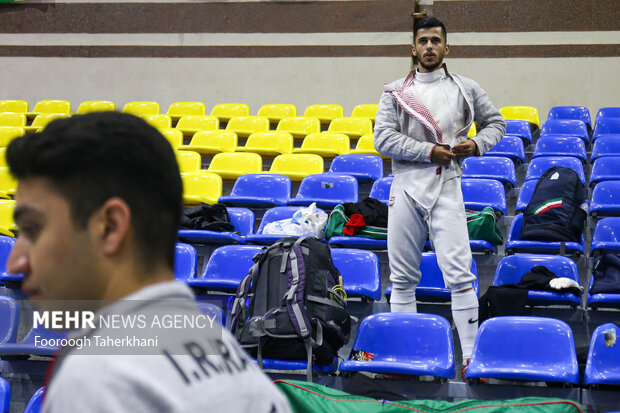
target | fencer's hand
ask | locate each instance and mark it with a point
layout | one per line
(465, 149)
(442, 154)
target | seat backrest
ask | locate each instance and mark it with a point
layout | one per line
(180, 109)
(490, 167)
(260, 185)
(607, 231)
(297, 163)
(605, 168)
(366, 143)
(368, 110)
(381, 189)
(279, 141)
(343, 188)
(299, 127)
(16, 106)
(511, 146)
(525, 195)
(159, 121)
(8, 133)
(220, 140)
(242, 219)
(227, 111)
(431, 273)
(174, 136)
(478, 193)
(606, 126)
(277, 111)
(324, 112)
(570, 127)
(609, 112)
(52, 106)
(246, 125)
(188, 161)
(338, 142)
(185, 259)
(212, 311)
(538, 166)
(242, 162)
(7, 206)
(9, 319)
(370, 166)
(606, 196)
(198, 123)
(511, 268)
(603, 364)
(13, 119)
(142, 108)
(6, 246)
(360, 271)
(5, 396)
(517, 127)
(354, 127)
(277, 214)
(203, 183)
(554, 145)
(527, 113)
(570, 112)
(36, 401)
(43, 119)
(230, 263)
(96, 106)
(606, 145)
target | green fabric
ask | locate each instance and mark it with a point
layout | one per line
(481, 225)
(338, 219)
(306, 397)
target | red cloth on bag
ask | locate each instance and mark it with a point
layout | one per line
(354, 224)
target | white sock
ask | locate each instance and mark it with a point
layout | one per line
(402, 299)
(465, 315)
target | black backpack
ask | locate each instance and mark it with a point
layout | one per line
(557, 210)
(297, 304)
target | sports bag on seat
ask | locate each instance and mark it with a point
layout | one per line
(296, 305)
(558, 208)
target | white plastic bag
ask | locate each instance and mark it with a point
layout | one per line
(305, 222)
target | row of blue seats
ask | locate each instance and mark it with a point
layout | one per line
(582, 114)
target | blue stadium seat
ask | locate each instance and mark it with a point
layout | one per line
(571, 112)
(212, 311)
(227, 266)
(567, 127)
(259, 191)
(603, 364)
(512, 268)
(9, 319)
(241, 218)
(6, 246)
(538, 166)
(609, 112)
(606, 236)
(364, 168)
(509, 147)
(490, 167)
(381, 189)
(599, 300)
(27, 345)
(608, 145)
(36, 401)
(284, 365)
(358, 242)
(432, 287)
(389, 337)
(606, 168)
(524, 348)
(360, 272)
(606, 126)
(520, 128)
(481, 193)
(5, 396)
(271, 215)
(327, 190)
(525, 194)
(606, 199)
(552, 145)
(515, 245)
(185, 259)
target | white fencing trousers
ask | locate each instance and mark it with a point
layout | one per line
(408, 225)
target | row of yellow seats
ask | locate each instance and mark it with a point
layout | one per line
(223, 111)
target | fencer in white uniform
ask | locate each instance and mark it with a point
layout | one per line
(422, 124)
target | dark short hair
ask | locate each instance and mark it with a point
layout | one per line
(94, 157)
(427, 23)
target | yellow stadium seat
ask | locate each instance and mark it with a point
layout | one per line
(7, 225)
(472, 130)
(324, 112)
(227, 111)
(354, 127)
(326, 144)
(366, 146)
(212, 142)
(142, 108)
(175, 137)
(244, 126)
(201, 188)
(179, 109)
(43, 119)
(15, 106)
(231, 165)
(527, 113)
(190, 124)
(277, 111)
(90, 106)
(3, 163)
(189, 161)
(297, 165)
(160, 121)
(8, 133)
(368, 111)
(271, 143)
(299, 127)
(50, 106)
(8, 184)
(13, 119)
